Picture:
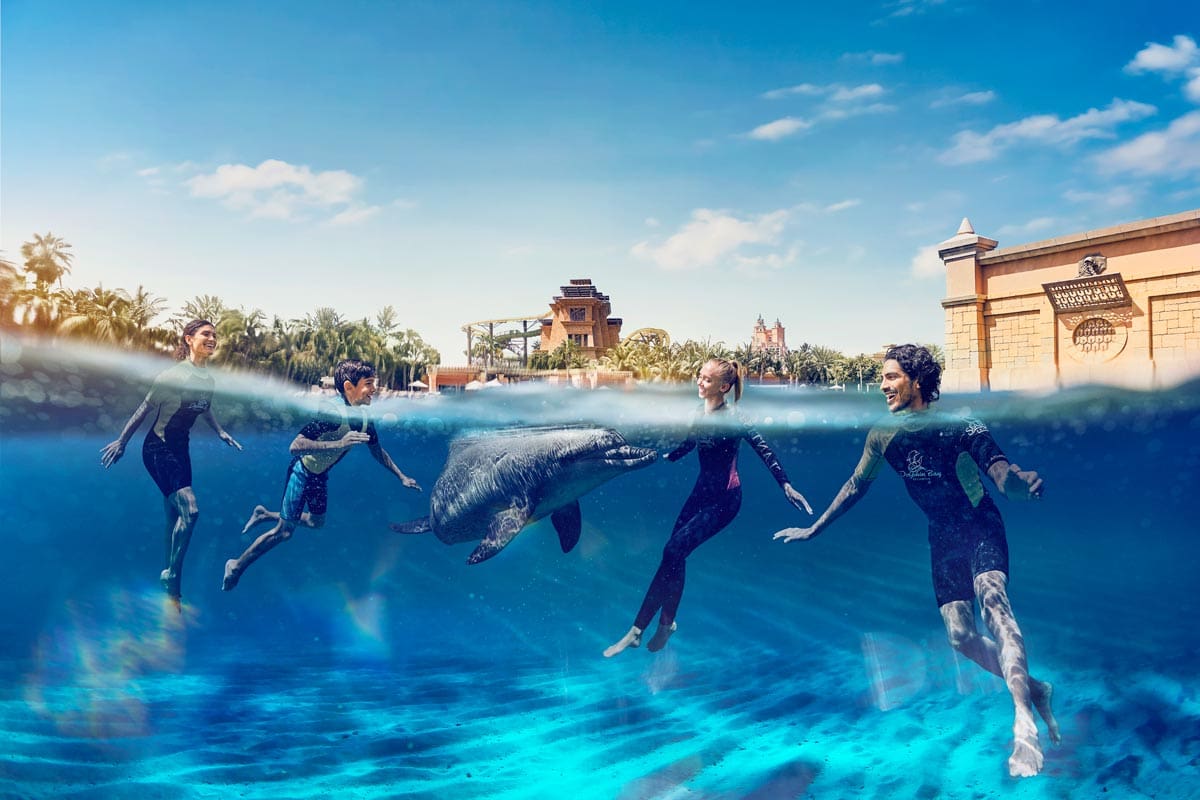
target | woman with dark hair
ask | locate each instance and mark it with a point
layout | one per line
(178, 396)
(714, 501)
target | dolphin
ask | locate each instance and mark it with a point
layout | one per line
(496, 483)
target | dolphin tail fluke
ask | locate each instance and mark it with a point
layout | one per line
(503, 529)
(569, 523)
(422, 525)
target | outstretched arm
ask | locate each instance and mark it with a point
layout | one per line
(1014, 482)
(111, 453)
(383, 458)
(852, 491)
(302, 444)
(216, 426)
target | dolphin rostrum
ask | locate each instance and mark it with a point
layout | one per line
(496, 483)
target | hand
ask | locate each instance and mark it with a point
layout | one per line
(409, 483)
(1022, 484)
(792, 534)
(111, 453)
(796, 499)
(355, 437)
(229, 440)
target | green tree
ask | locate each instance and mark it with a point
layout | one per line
(47, 258)
(202, 306)
(101, 315)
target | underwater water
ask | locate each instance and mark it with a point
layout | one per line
(354, 662)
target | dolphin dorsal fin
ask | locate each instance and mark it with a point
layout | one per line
(569, 523)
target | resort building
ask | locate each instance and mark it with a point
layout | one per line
(772, 340)
(1118, 306)
(581, 315)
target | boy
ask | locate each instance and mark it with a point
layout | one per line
(320, 445)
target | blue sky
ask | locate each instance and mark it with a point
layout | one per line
(703, 163)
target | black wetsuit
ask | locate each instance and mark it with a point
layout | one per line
(308, 475)
(182, 393)
(712, 505)
(939, 458)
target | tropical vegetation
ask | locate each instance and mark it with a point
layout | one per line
(34, 299)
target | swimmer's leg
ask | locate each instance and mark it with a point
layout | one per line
(1005, 656)
(282, 531)
(632, 638)
(661, 635)
(262, 514)
(960, 627)
(259, 515)
(186, 513)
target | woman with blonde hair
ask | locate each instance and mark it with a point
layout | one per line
(714, 502)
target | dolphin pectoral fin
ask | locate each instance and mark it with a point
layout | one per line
(422, 525)
(504, 527)
(568, 522)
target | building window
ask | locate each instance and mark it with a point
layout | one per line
(1094, 335)
(580, 339)
(578, 314)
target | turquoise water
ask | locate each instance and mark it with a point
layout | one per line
(353, 662)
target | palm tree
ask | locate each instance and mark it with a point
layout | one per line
(11, 284)
(202, 306)
(99, 314)
(47, 259)
(241, 335)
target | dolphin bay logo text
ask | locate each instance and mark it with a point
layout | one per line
(915, 470)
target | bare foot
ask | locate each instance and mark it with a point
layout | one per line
(258, 516)
(631, 639)
(1026, 758)
(232, 574)
(1042, 693)
(661, 635)
(170, 585)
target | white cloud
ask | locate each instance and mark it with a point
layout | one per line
(1181, 58)
(1116, 197)
(1191, 89)
(1044, 129)
(874, 58)
(856, 111)
(854, 93)
(354, 215)
(802, 89)
(148, 172)
(711, 236)
(1172, 60)
(843, 205)
(761, 265)
(1174, 151)
(279, 190)
(927, 263)
(779, 129)
(968, 99)
(1029, 228)
(652, 222)
(907, 8)
(841, 102)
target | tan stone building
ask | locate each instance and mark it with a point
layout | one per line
(1118, 306)
(773, 340)
(581, 315)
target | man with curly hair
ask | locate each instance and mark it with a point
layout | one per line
(939, 457)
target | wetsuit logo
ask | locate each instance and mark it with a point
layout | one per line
(975, 427)
(916, 471)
